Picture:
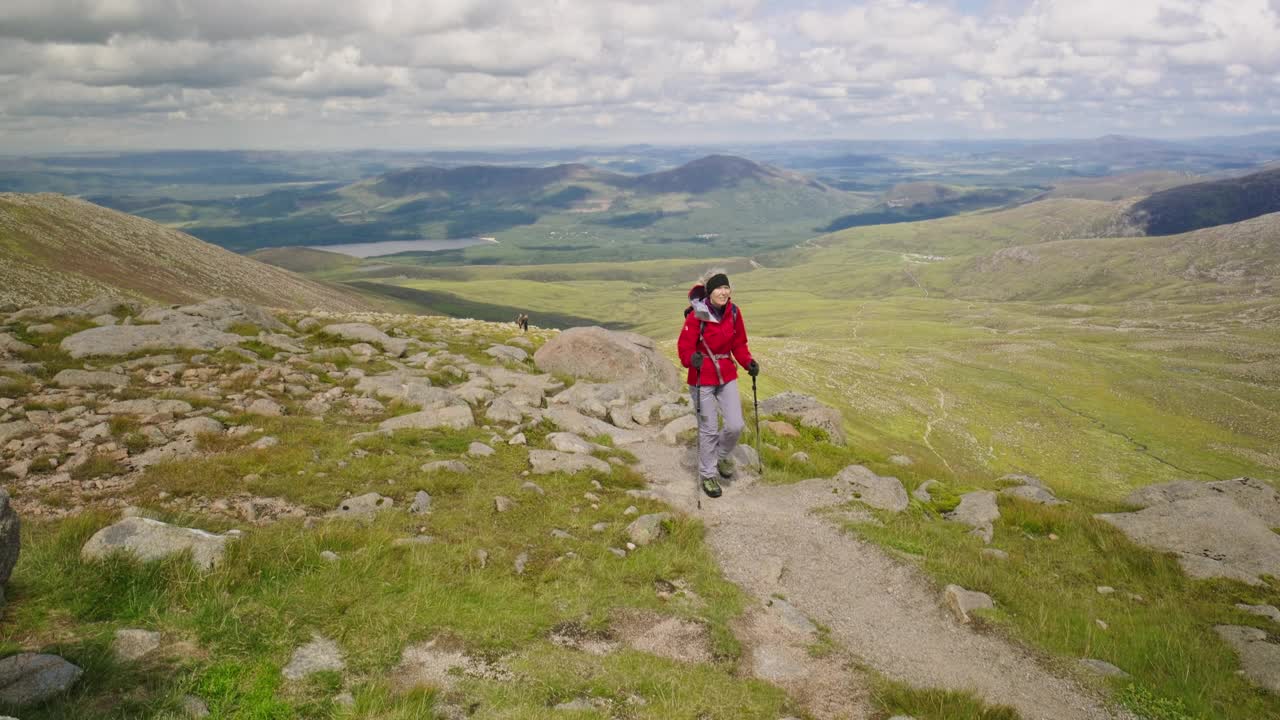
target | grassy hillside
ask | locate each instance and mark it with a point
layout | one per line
(55, 249)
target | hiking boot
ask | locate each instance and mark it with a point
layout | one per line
(725, 468)
(711, 487)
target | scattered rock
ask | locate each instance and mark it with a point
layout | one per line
(884, 493)
(502, 503)
(994, 554)
(319, 655)
(129, 645)
(1105, 590)
(457, 417)
(923, 491)
(87, 379)
(781, 429)
(421, 504)
(550, 461)
(809, 411)
(477, 449)
(149, 539)
(979, 511)
(671, 431)
(507, 352)
(647, 528)
(453, 466)
(521, 562)
(1259, 658)
(363, 507)
(601, 355)
(961, 602)
(30, 678)
(265, 407)
(901, 460)
(127, 339)
(1032, 493)
(1266, 611)
(363, 332)
(193, 707)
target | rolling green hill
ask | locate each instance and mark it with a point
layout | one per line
(1191, 207)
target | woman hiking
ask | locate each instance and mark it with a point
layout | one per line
(712, 338)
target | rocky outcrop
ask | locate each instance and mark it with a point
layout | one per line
(884, 493)
(1259, 658)
(126, 339)
(149, 539)
(1217, 529)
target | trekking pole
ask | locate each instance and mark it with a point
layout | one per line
(697, 414)
(755, 401)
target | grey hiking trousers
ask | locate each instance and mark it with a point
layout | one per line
(715, 442)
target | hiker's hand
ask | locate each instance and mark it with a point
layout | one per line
(695, 360)
(753, 368)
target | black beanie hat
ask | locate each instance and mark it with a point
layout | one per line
(715, 281)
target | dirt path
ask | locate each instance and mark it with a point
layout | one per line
(886, 614)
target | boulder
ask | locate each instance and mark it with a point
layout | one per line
(84, 379)
(265, 407)
(979, 511)
(922, 491)
(145, 408)
(670, 433)
(281, 342)
(808, 411)
(129, 644)
(1266, 611)
(126, 339)
(1259, 659)
(421, 504)
(149, 539)
(594, 353)
(191, 427)
(10, 345)
(47, 312)
(885, 493)
(1103, 668)
(363, 332)
(30, 678)
(569, 443)
(549, 461)
(453, 466)
(647, 528)
(1215, 529)
(961, 602)
(10, 540)
(1032, 493)
(570, 420)
(507, 352)
(363, 507)
(225, 312)
(504, 411)
(16, 429)
(457, 417)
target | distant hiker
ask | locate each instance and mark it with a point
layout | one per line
(712, 338)
(523, 322)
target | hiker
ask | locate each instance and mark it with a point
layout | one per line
(524, 322)
(712, 338)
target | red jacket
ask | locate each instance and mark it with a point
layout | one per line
(725, 337)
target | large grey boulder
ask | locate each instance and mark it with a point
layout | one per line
(149, 539)
(1259, 659)
(30, 678)
(549, 461)
(126, 339)
(364, 332)
(808, 411)
(594, 353)
(10, 540)
(85, 378)
(885, 493)
(1219, 529)
(225, 312)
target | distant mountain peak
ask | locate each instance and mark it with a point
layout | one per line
(715, 172)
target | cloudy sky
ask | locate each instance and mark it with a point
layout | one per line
(80, 74)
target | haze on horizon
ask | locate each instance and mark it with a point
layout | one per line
(305, 74)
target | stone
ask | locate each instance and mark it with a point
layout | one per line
(544, 462)
(532, 487)
(9, 345)
(147, 408)
(600, 355)
(780, 428)
(86, 379)
(671, 432)
(265, 407)
(961, 602)
(319, 655)
(647, 528)
(477, 449)
(1266, 611)
(570, 420)
(994, 554)
(131, 644)
(570, 443)
(901, 460)
(518, 439)
(193, 707)
(265, 443)
(521, 562)
(1103, 668)
(453, 466)
(809, 411)
(1214, 529)
(979, 511)
(413, 541)
(1032, 493)
(884, 493)
(16, 429)
(1259, 658)
(800, 456)
(507, 352)
(149, 539)
(10, 540)
(792, 617)
(329, 556)
(27, 679)
(191, 427)
(363, 507)
(501, 503)
(363, 332)
(127, 339)
(923, 491)
(421, 504)
(504, 411)
(1105, 590)
(456, 417)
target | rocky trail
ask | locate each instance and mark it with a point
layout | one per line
(883, 613)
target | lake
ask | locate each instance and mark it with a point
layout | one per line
(391, 247)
